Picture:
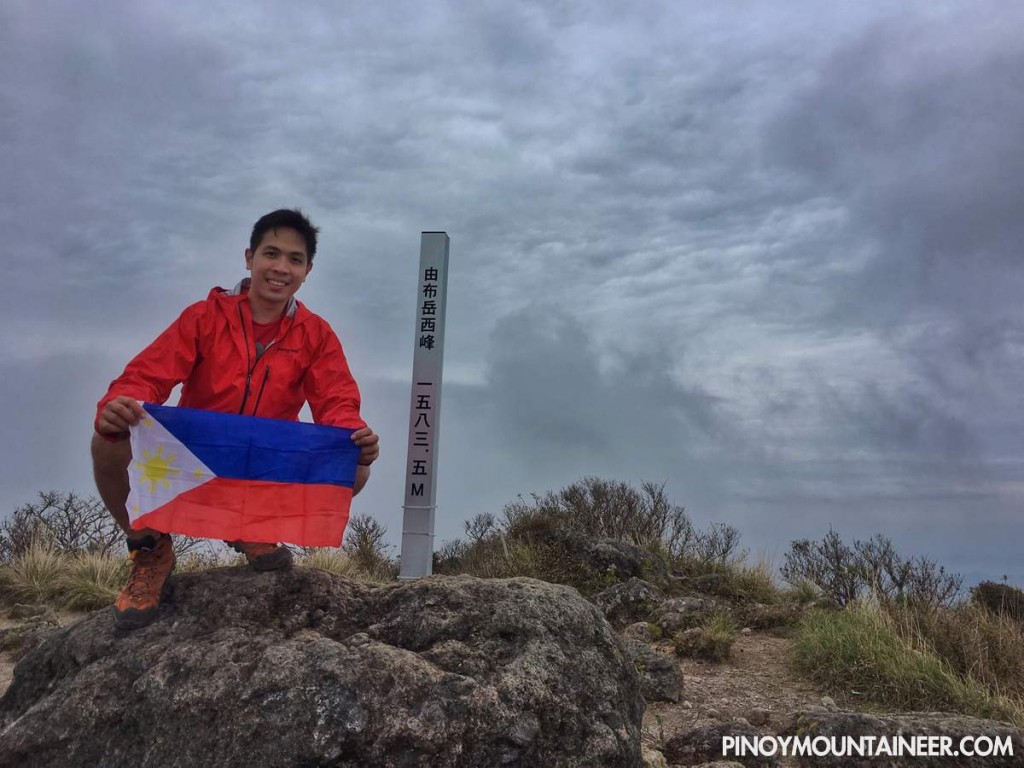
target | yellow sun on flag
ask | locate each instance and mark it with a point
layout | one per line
(156, 468)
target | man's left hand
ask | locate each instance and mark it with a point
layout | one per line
(368, 441)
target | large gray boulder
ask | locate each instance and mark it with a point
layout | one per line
(628, 601)
(660, 677)
(304, 668)
(680, 613)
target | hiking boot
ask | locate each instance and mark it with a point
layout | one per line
(263, 557)
(139, 601)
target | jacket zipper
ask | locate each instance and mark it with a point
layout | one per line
(248, 362)
(251, 366)
(259, 395)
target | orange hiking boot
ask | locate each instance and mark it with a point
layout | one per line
(139, 601)
(263, 557)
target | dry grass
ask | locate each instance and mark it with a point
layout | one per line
(970, 639)
(341, 563)
(91, 581)
(889, 660)
(36, 575)
(82, 582)
(804, 592)
(87, 581)
(205, 561)
(712, 641)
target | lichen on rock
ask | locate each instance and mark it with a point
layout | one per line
(308, 668)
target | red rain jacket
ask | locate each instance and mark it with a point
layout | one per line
(211, 348)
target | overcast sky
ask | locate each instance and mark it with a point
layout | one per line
(767, 253)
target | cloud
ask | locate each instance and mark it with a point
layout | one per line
(768, 255)
(913, 126)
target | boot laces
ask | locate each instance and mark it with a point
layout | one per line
(145, 573)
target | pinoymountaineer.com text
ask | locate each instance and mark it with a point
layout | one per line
(866, 746)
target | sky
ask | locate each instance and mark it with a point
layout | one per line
(768, 254)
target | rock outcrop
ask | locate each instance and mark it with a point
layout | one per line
(910, 726)
(628, 602)
(37, 623)
(706, 745)
(618, 559)
(304, 668)
(660, 677)
(680, 613)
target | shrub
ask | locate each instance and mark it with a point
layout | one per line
(529, 539)
(66, 521)
(1000, 599)
(868, 568)
(364, 544)
(609, 509)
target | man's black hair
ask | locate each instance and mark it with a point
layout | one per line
(292, 219)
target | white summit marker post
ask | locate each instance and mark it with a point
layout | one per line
(425, 408)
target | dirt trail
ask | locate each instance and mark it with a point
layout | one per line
(756, 678)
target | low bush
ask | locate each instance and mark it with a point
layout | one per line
(610, 509)
(364, 544)
(540, 538)
(1000, 599)
(869, 569)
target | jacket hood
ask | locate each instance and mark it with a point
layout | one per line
(242, 288)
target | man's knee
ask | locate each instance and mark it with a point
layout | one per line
(110, 457)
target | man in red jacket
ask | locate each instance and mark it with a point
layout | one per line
(254, 350)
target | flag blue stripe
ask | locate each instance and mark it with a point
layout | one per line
(251, 448)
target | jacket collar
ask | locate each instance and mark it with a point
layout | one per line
(243, 288)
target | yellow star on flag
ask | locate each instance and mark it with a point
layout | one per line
(156, 468)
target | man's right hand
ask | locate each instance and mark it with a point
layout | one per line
(118, 415)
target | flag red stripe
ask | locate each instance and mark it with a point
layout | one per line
(311, 515)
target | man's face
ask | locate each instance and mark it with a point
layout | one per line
(279, 265)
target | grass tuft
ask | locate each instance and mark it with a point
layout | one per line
(864, 649)
(34, 576)
(804, 592)
(341, 563)
(712, 641)
(194, 562)
(90, 581)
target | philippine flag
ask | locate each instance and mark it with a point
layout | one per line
(240, 478)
